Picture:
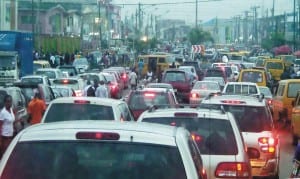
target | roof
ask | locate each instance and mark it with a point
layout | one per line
(154, 89)
(289, 80)
(55, 129)
(169, 112)
(93, 100)
(48, 69)
(33, 76)
(154, 85)
(250, 100)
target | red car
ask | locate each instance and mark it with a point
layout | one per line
(139, 101)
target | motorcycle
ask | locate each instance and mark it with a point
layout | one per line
(296, 169)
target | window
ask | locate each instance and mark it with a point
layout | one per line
(27, 19)
(125, 112)
(141, 101)
(213, 133)
(57, 112)
(280, 90)
(161, 60)
(292, 90)
(89, 159)
(274, 65)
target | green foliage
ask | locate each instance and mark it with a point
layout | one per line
(199, 36)
(274, 40)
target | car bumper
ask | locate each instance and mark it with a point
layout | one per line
(264, 168)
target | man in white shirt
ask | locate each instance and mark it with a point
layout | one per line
(101, 90)
(133, 79)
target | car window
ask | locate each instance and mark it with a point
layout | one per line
(125, 112)
(32, 80)
(143, 100)
(49, 74)
(240, 89)
(89, 159)
(58, 111)
(174, 76)
(292, 90)
(280, 90)
(214, 73)
(206, 86)
(274, 65)
(213, 133)
(250, 76)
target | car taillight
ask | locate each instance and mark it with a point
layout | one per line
(232, 170)
(196, 137)
(78, 93)
(124, 76)
(267, 144)
(269, 101)
(98, 135)
(194, 95)
(149, 95)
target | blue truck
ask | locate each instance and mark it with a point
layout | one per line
(16, 55)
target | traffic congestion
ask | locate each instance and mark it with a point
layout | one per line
(230, 123)
(85, 94)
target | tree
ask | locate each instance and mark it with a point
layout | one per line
(199, 36)
(274, 40)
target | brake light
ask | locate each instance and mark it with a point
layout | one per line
(98, 135)
(82, 102)
(78, 93)
(196, 137)
(232, 169)
(233, 102)
(149, 95)
(267, 144)
(184, 114)
(194, 95)
(173, 123)
(65, 81)
(124, 76)
(269, 101)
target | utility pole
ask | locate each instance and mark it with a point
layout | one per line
(100, 29)
(32, 19)
(273, 13)
(196, 14)
(255, 23)
(246, 36)
(140, 19)
(294, 33)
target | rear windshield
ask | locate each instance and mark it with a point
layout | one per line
(292, 90)
(241, 89)
(71, 71)
(63, 91)
(174, 76)
(217, 136)
(88, 159)
(203, 85)
(58, 111)
(214, 73)
(32, 80)
(67, 82)
(258, 121)
(274, 65)
(252, 76)
(143, 100)
(49, 74)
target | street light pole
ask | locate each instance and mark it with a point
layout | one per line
(100, 29)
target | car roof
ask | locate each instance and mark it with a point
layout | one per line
(33, 76)
(247, 100)
(153, 85)
(289, 80)
(92, 100)
(57, 130)
(48, 69)
(146, 89)
(169, 112)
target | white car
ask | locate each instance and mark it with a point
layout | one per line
(76, 83)
(217, 136)
(255, 121)
(51, 73)
(202, 89)
(241, 88)
(102, 149)
(36, 79)
(220, 80)
(191, 70)
(86, 108)
(82, 65)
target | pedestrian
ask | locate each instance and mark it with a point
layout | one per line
(36, 109)
(285, 75)
(88, 85)
(101, 90)
(92, 89)
(140, 68)
(133, 79)
(7, 121)
(52, 61)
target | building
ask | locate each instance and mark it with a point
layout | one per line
(8, 15)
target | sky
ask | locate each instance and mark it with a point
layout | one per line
(186, 9)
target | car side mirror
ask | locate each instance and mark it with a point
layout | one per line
(253, 153)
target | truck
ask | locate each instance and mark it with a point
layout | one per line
(16, 55)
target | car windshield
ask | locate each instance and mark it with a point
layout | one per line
(63, 91)
(49, 74)
(214, 73)
(8, 63)
(292, 90)
(204, 85)
(32, 80)
(110, 78)
(219, 80)
(143, 100)
(71, 71)
(241, 89)
(213, 133)
(258, 121)
(90, 159)
(67, 82)
(58, 111)
(252, 76)
(174, 77)
(275, 65)
(80, 61)
(265, 91)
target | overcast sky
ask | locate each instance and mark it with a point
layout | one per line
(185, 9)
